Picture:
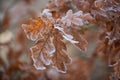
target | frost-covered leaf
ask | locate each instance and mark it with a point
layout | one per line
(78, 18)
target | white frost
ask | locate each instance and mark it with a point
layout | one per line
(71, 18)
(60, 70)
(47, 13)
(78, 21)
(32, 35)
(46, 62)
(36, 65)
(69, 39)
(66, 36)
(50, 48)
(79, 13)
(59, 28)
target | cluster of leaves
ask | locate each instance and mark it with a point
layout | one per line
(51, 28)
(48, 33)
(61, 23)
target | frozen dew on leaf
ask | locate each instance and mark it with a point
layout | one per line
(69, 38)
(46, 12)
(65, 36)
(71, 18)
(79, 13)
(37, 64)
(60, 70)
(44, 59)
(50, 48)
(77, 18)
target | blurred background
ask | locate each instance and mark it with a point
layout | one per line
(15, 60)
